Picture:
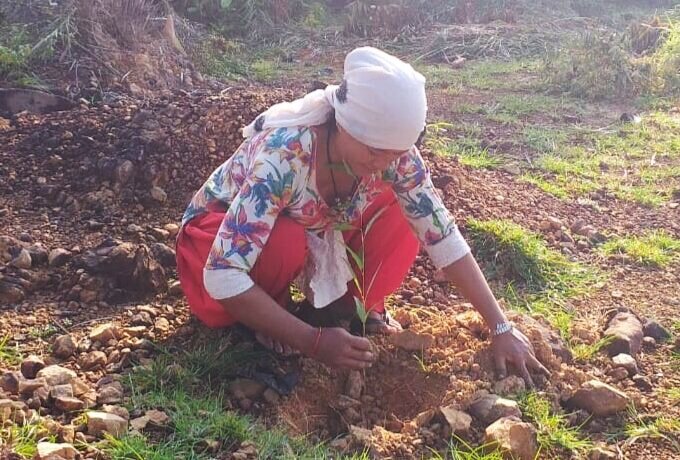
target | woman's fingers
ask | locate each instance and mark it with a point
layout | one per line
(525, 374)
(350, 363)
(360, 355)
(501, 366)
(536, 364)
(360, 343)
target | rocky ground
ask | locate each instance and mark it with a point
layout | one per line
(90, 202)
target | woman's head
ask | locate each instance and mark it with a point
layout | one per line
(381, 101)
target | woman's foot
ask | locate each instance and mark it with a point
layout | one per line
(382, 323)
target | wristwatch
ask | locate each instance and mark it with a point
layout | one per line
(501, 328)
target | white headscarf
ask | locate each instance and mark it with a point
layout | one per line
(381, 103)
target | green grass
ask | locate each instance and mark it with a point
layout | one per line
(656, 248)
(543, 139)
(545, 185)
(673, 394)
(442, 140)
(585, 352)
(23, 439)
(663, 427)
(493, 74)
(531, 276)
(9, 355)
(514, 108)
(637, 162)
(459, 449)
(553, 433)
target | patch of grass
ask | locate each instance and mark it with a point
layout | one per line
(657, 248)
(265, 70)
(513, 108)
(663, 427)
(531, 275)
(673, 394)
(440, 76)
(9, 355)
(23, 439)
(546, 185)
(459, 449)
(465, 146)
(543, 139)
(491, 74)
(638, 162)
(585, 352)
(135, 447)
(553, 432)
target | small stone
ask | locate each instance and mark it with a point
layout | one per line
(99, 423)
(643, 383)
(354, 385)
(472, 321)
(412, 341)
(58, 257)
(22, 260)
(511, 385)
(64, 347)
(655, 330)
(414, 283)
(627, 362)
(489, 407)
(110, 394)
(649, 342)
(175, 288)
(162, 324)
(172, 229)
(618, 373)
(52, 451)
(600, 399)
(158, 194)
(61, 391)
(360, 437)
(116, 410)
(157, 417)
(418, 300)
(514, 438)
(271, 396)
(79, 387)
(92, 360)
(28, 386)
(104, 332)
(143, 318)
(602, 453)
(57, 375)
(626, 330)
(134, 228)
(458, 421)
(139, 423)
(246, 388)
(68, 404)
(31, 366)
(9, 382)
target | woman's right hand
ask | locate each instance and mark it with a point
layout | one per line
(339, 349)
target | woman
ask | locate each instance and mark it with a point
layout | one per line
(334, 170)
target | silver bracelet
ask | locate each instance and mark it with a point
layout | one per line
(501, 328)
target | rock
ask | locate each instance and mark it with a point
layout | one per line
(162, 324)
(159, 234)
(458, 421)
(164, 254)
(649, 342)
(79, 387)
(412, 341)
(64, 346)
(516, 439)
(618, 374)
(143, 318)
(643, 383)
(545, 340)
(61, 391)
(418, 300)
(139, 423)
(360, 437)
(653, 329)
(626, 330)
(354, 385)
(28, 386)
(58, 257)
(246, 388)
(489, 407)
(116, 410)
(57, 375)
(271, 396)
(22, 260)
(172, 229)
(68, 404)
(627, 362)
(92, 360)
(554, 223)
(39, 254)
(602, 453)
(104, 332)
(511, 385)
(599, 399)
(158, 194)
(110, 394)
(51, 451)
(11, 293)
(134, 228)
(31, 366)
(175, 288)
(99, 423)
(157, 417)
(472, 321)
(9, 382)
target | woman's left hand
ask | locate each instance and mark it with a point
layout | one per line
(513, 347)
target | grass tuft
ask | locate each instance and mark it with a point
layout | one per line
(663, 427)
(22, 439)
(553, 432)
(656, 248)
(585, 352)
(9, 355)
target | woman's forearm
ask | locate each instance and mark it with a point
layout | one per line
(469, 279)
(258, 311)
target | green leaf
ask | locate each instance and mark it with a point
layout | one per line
(373, 219)
(344, 226)
(225, 4)
(361, 310)
(358, 258)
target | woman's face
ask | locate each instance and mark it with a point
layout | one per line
(362, 159)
